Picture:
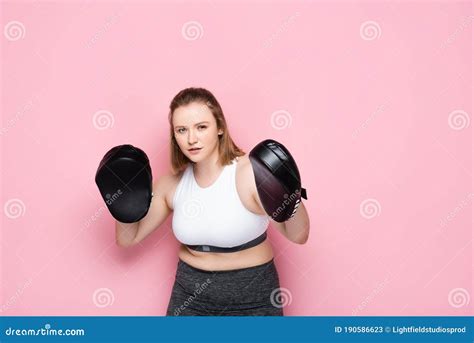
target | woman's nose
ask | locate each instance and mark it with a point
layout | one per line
(191, 137)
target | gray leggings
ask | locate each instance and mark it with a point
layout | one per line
(253, 291)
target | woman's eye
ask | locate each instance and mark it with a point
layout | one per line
(180, 130)
(202, 126)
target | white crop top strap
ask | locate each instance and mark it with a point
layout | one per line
(214, 215)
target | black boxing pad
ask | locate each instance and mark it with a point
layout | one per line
(277, 179)
(124, 179)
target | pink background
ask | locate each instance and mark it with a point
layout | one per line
(373, 99)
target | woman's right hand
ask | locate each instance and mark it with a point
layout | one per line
(124, 179)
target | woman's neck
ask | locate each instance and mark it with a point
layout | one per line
(209, 167)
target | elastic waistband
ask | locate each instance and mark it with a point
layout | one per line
(225, 271)
(210, 248)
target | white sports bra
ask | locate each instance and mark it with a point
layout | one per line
(214, 215)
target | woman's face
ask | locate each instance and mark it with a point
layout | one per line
(195, 127)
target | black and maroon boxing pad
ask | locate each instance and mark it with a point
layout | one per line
(277, 178)
(125, 182)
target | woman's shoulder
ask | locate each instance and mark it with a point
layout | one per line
(243, 159)
(244, 169)
(167, 182)
(246, 185)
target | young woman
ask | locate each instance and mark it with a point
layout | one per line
(213, 197)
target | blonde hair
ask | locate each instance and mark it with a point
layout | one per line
(228, 150)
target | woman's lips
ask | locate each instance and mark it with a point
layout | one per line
(194, 150)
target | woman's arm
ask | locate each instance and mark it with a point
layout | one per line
(125, 233)
(296, 229)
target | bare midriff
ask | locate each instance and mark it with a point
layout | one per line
(212, 261)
